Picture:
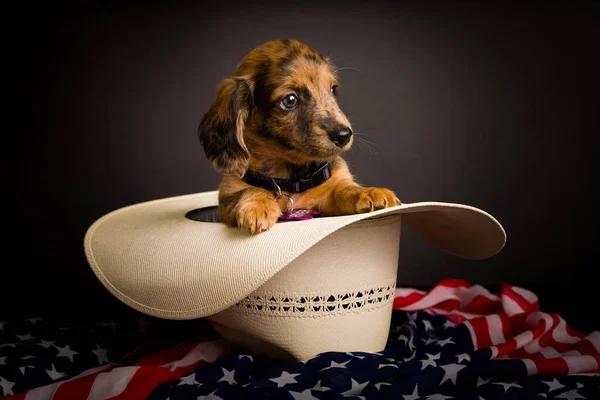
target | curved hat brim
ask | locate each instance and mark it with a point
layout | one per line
(157, 261)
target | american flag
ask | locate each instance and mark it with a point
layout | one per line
(456, 340)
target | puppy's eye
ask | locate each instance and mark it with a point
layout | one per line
(290, 101)
(334, 89)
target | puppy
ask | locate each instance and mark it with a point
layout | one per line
(275, 132)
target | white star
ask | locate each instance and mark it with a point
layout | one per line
(285, 379)
(27, 357)
(387, 365)
(414, 395)
(481, 381)
(13, 345)
(507, 386)
(25, 337)
(354, 355)
(189, 380)
(142, 324)
(249, 357)
(579, 385)
(430, 360)
(54, 374)
(46, 343)
(450, 372)
(24, 368)
(542, 394)
(380, 384)
(412, 356)
(320, 388)
(336, 365)
(101, 354)
(34, 320)
(428, 341)
(304, 395)
(397, 328)
(438, 396)
(444, 342)
(112, 325)
(356, 388)
(6, 386)
(462, 357)
(481, 398)
(228, 376)
(448, 324)
(570, 395)
(211, 396)
(555, 384)
(427, 325)
(2, 325)
(66, 352)
(403, 338)
(3, 360)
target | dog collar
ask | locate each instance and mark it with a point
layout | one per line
(321, 172)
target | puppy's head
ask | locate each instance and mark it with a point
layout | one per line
(281, 103)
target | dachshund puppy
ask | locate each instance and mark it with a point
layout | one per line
(275, 131)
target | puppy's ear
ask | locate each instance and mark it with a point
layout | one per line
(221, 129)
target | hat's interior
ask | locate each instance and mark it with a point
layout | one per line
(204, 214)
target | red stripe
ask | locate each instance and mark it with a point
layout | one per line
(520, 300)
(551, 366)
(482, 332)
(448, 305)
(483, 305)
(400, 302)
(454, 283)
(78, 388)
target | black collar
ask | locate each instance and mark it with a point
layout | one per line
(320, 173)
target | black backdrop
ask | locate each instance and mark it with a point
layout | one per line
(492, 106)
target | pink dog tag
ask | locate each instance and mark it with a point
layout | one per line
(298, 215)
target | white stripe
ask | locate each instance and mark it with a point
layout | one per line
(510, 306)
(594, 339)
(495, 327)
(581, 364)
(47, 392)
(560, 335)
(530, 365)
(523, 339)
(405, 292)
(494, 350)
(110, 384)
(443, 293)
(207, 351)
(526, 294)
(456, 312)
(472, 332)
(534, 347)
(571, 353)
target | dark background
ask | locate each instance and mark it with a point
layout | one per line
(493, 106)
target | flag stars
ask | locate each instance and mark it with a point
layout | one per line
(427, 325)
(66, 352)
(481, 381)
(451, 371)
(430, 360)
(463, 357)
(444, 342)
(285, 379)
(210, 396)
(507, 386)
(228, 376)
(6, 386)
(101, 354)
(110, 324)
(414, 395)
(428, 341)
(189, 380)
(24, 368)
(554, 384)
(336, 365)
(34, 321)
(3, 360)
(320, 388)
(25, 337)
(570, 395)
(46, 343)
(304, 395)
(54, 374)
(356, 388)
(380, 384)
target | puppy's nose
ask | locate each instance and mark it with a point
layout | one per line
(340, 135)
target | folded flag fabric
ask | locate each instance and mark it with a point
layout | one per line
(456, 340)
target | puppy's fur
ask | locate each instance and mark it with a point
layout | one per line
(250, 126)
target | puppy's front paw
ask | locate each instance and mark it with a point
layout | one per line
(362, 200)
(257, 216)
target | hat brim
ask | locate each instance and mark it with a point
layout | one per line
(157, 261)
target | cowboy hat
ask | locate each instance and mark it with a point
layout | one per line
(299, 289)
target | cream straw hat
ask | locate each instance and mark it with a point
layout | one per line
(302, 288)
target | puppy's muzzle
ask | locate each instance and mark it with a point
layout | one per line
(340, 135)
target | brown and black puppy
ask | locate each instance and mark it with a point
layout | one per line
(276, 117)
